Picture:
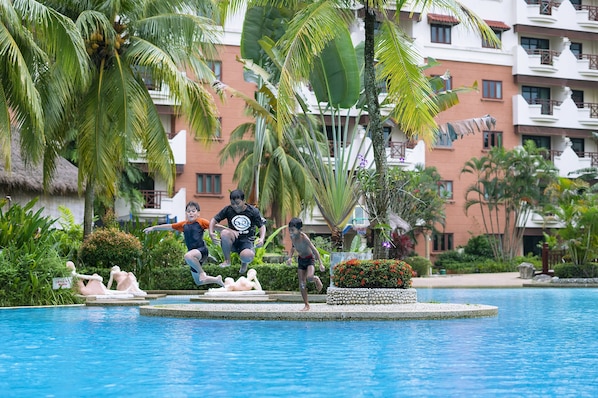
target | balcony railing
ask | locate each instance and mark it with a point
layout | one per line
(592, 11)
(592, 58)
(547, 104)
(593, 107)
(398, 150)
(153, 199)
(546, 56)
(550, 155)
(546, 6)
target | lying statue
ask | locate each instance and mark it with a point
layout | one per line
(94, 285)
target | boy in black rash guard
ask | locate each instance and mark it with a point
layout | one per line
(239, 237)
(193, 229)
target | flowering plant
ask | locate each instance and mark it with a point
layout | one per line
(373, 274)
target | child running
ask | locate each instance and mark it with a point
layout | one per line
(193, 229)
(306, 256)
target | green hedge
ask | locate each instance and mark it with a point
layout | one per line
(569, 270)
(272, 277)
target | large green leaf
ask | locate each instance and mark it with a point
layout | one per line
(335, 76)
(261, 22)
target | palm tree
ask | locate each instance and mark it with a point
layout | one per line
(388, 56)
(43, 62)
(508, 186)
(167, 42)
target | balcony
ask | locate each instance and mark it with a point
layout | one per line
(406, 154)
(557, 15)
(157, 205)
(568, 161)
(554, 113)
(555, 64)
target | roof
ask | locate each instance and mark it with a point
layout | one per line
(442, 19)
(497, 25)
(29, 177)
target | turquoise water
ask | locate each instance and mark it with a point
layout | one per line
(543, 343)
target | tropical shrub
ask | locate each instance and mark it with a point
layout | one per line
(68, 239)
(569, 270)
(479, 246)
(28, 259)
(373, 274)
(420, 265)
(107, 247)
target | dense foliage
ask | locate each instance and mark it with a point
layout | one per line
(373, 274)
(420, 265)
(108, 247)
(28, 259)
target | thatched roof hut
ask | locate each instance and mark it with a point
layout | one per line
(29, 178)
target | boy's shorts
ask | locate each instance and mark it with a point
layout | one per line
(241, 244)
(304, 262)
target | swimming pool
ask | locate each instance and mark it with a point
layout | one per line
(544, 342)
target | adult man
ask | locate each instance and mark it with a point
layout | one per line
(242, 220)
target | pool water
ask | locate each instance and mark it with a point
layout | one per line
(543, 343)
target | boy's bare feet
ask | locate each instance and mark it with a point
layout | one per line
(319, 284)
(224, 264)
(219, 280)
(306, 308)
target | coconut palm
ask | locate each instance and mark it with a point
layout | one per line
(388, 56)
(167, 42)
(43, 62)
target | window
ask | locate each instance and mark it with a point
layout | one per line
(218, 132)
(442, 242)
(145, 74)
(443, 140)
(216, 67)
(487, 44)
(387, 131)
(445, 189)
(445, 83)
(491, 89)
(209, 184)
(576, 49)
(530, 44)
(539, 140)
(538, 95)
(578, 146)
(492, 139)
(577, 97)
(440, 33)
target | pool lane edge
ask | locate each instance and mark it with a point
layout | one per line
(321, 312)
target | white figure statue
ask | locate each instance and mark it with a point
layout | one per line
(125, 282)
(94, 286)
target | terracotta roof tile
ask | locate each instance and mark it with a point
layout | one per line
(497, 25)
(442, 19)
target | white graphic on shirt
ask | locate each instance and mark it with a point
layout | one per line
(241, 223)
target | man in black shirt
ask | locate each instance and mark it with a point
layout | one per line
(242, 219)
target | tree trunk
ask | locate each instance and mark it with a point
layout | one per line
(88, 210)
(375, 128)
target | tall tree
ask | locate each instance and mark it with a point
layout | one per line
(42, 62)
(388, 56)
(508, 186)
(129, 42)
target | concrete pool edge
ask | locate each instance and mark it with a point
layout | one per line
(320, 312)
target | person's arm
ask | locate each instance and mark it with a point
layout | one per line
(290, 259)
(262, 237)
(110, 280)
(315, 252)
(161, 227)
(211, 228)
(256, 284)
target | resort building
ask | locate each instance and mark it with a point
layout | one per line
(540, 84)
